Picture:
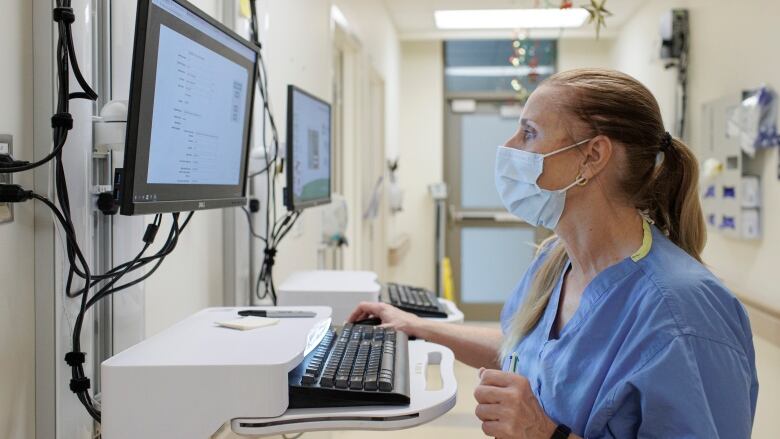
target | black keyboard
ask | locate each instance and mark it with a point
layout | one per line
(358, 365)
(415, 300)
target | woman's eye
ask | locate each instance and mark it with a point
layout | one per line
(528, 134)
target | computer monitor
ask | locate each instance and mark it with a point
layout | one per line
(190, 112)
(308, 150)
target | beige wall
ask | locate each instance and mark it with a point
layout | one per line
(304, 58)
(377, 34)
(190, 279)
(17, 324)
(421, 154)
(576, 53)
(301, 57)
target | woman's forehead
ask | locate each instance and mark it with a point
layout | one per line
(543, 106)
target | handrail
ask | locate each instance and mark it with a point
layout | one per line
(769, 311)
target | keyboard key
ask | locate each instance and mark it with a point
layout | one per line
(356, 382)
(385, 384)
(370, 382)
(342, 381)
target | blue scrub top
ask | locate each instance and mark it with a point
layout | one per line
(657, 348)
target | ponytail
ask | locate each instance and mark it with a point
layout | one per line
(675, 205)
(618, 106)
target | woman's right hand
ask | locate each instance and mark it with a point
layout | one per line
(391, 317)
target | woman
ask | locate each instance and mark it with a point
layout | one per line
(617, 329)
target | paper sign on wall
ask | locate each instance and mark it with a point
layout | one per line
(245, 10)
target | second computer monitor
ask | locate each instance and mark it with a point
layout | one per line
(308, 150)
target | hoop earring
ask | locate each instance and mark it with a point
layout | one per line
(582, 181)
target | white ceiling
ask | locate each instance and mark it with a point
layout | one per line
(414, 18)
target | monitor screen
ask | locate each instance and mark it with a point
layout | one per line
(190, 112)
(308, 150)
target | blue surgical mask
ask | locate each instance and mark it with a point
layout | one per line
(516, 174)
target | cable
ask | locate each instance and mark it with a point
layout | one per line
(265, 276)
(167, 249)
(62, 123)
(276, 228)
(681, 64)
(110, 274)
(251, 225)
(76, 358)
(139, 261)
(257, 173)
(683, 84)
(79, 383)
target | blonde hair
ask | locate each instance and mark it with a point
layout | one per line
(618, 106)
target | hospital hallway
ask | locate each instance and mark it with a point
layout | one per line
(344, 219)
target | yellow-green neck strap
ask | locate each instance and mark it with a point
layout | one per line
(647, 242)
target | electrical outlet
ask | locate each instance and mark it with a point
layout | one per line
(6, 210)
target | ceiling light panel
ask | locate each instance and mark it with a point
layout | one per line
(511, 18)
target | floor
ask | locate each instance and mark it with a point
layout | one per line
(460, 422)
(767, 421)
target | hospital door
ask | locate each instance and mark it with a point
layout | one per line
(489, 248)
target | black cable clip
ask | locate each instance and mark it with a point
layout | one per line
(64, 15)
(78, 385)
(151, 233)
(107, 204)
(270, 256)
(62, 120)
(254, 205)
(75, 358)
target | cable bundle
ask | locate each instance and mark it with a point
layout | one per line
(281, 226)
(108, 283)
(62, 123)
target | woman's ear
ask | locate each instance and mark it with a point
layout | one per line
(596, 155)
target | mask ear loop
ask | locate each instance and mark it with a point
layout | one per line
(566, 148)
(580, 181)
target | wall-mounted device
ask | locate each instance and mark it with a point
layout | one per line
(674, 33)
(674, 52)
(309, 180)
(6, 209)
(190, 112)
(730, 195)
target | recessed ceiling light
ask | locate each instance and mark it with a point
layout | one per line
(510, 18)
(338, 17)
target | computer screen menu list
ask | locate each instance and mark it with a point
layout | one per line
(199, 114)
(311, 148)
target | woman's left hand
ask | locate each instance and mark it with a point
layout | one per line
(508, 407)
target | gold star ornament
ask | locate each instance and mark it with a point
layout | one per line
(598, 14)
